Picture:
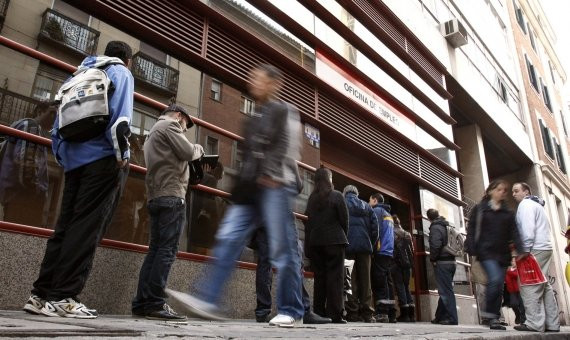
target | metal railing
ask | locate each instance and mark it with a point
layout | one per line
(3, 9)
(70, 33)
(155, 73)
(14, 106)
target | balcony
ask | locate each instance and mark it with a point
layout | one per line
(14, 106)
(155, 73)
(64, 31)
(3, 9)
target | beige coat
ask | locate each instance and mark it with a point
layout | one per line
(167, 152)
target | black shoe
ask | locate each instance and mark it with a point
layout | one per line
(166, 313)
(496, 325)
(448, 322)
(353, 318)
(315, 319)
(552, 330)
(524, 328)
(382, 318)
(262, 318)
(138, 313)
(369, 319)
(341, 321)
(435, 321)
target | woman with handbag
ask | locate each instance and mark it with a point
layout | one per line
(491, 230)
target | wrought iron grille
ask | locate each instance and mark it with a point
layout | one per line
(14, 106)
(154, 72)
(3, 9)
(68, 32)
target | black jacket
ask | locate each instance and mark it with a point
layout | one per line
(438, 240)
(327, 224)
(498, 231)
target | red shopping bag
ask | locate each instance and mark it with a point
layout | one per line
(511, 279)
(529, 271)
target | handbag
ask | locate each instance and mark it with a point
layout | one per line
(529, 271)
(196, 172)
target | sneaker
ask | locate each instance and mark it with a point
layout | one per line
(70, 308)
(524, 328)
(496, 325)
(286, 321)
(262, 318)
(166, 313)
(34, 305)
(195, 306)
(49, 310)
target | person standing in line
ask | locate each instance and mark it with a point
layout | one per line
(444, 267)
(167, 152)
(541, 308)
(95, 172)
(401, 271)
(362, 236)
(490, 232)
(326, 236)
(382, 284)
(264, 191)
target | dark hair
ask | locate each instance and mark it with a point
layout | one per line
(323, 187)
(119, 49)
(525, 187)
(378, 196)
(396, 219)
(494, 184)
(272, 71)
(432, 214)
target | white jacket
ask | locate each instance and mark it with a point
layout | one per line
(533, 226)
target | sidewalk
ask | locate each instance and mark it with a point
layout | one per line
(16, 324)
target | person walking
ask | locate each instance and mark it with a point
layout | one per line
(490, 232)
(167, 152)
(362, 236)
(95, 172)
(401, 271)
(326, 236)
(264, 190)
(444, 267)
(541, 309)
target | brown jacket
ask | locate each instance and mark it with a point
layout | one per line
(167, 152)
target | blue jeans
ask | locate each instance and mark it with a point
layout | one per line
(446, 305)
(494, 292)
(401, 278)
(274, 208)
(167, 218)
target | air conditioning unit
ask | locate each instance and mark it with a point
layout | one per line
(455, 33)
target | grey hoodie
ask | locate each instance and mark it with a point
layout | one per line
(533, 224)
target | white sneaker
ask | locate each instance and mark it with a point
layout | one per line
(282, 320)
(34, 305)
(195, 306)
(69, 308)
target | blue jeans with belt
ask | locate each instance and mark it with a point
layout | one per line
(446, 305)
(494, 292)
(167, 219)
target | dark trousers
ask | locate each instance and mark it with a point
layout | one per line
(401, 277)
(494, 291)
(167, 219)
(263, 276)
(328, 266)
(446, 305)
(382, 284)
(360, 302)
(90, 196)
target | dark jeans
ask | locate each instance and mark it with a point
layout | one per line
(401, 278)
(382, 284)
(328, 266)
(167, 219)
(494, 291)
(90, 196)
(446, 305)
(263, 277)
(360, 301)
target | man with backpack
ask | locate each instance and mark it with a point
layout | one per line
(96, 167)
(444, 267)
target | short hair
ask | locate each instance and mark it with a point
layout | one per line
(350, 188)
(119, 49)
(432, 214)
(396, 219)
(525, 187)
(378, 196)
(271, 71)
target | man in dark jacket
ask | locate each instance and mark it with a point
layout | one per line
(362, 236)
(444, 268)
(382, 284)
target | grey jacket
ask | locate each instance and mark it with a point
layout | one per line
(167, 152)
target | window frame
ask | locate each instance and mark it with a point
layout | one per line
(242, 107)
(218, 92)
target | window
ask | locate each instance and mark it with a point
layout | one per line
(502, 89)
(546, 96)
(532, 74)
(563, 123)
(546, 139)
(237, 157)
(247, 105)
(551, 72)
(216, 91)
(560, 157)
(520, 16)
(531, 36)
(47, 83)
(144, 118)
(211, 146)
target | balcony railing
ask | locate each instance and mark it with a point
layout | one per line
(155, 73)
(14, 106)
(3, 10)
(65, 31)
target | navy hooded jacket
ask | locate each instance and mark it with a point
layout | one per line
(363, 225)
